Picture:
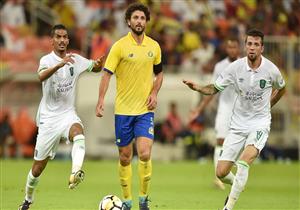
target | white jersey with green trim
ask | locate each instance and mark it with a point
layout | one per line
(59, 89)
(252, 109)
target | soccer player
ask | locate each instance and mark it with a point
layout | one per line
(259, 85)
(225, 101)
(135, 59)
(56, 118)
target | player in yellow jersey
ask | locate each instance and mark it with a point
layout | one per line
(135, 59)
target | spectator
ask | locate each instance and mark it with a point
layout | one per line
(24, 131)
(5, 133)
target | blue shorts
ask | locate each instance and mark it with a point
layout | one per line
(129, 127)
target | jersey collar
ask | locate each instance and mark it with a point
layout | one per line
(56, 56)
(129, 35)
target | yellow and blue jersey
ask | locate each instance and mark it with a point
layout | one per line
(133, 66)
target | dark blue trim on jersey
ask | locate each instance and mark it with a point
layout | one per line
(108, 71)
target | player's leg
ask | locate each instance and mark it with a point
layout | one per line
(243, 164)
(46, 145)
(78, 153)
(143, 132)
(254, 144)
(217, 153)
(144, 147)
(125, 174)
(232, 146)
(32, 182)
(124, 137)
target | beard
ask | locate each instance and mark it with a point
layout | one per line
(136, 31)
(252, 57)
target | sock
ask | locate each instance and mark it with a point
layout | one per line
(128, 203)
(31, 183)
(239, 183)
(78, 152)
(125, 174)
(217, 152)
(228, 179)
(145, 171)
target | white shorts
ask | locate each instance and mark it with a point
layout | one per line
(235, 143)
(222, 125)
(51, 132)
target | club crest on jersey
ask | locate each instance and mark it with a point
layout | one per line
(262, 83)
(130, 55)
(71, 71)
(150, 54)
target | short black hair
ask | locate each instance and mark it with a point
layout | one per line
(233, 39)
(255, 32)
(57, 27)
(134, 7)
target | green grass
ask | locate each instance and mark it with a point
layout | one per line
(180, 185)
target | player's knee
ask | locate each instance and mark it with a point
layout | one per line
(221, 172)
(145, 155)
(125, 159)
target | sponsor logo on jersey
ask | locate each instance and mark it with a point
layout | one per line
(241, 80)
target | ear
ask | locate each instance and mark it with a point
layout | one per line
(262, 49)
(128, 22)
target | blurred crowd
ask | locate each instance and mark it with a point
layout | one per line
(17, 133)
(190, 32)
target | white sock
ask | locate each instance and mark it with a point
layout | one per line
(78, 152)
(31, 183)
(228, 179)
(239, 183)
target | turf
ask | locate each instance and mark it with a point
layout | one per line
(180, 185)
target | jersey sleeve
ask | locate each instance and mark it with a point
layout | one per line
(278, 81)
(225, 79)
(83, 63)
(113, 59)
(43, 64)
(158, 55)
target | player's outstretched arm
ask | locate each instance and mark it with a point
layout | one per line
(98, 64)
(102, 91)
(45, 74)
(205, 90)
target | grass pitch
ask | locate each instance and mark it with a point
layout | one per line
(180, 185)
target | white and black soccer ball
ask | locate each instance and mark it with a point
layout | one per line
(110, 202)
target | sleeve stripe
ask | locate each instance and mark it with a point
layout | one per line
(218, 87)
(42, 69)
(91, 66)
(108, 71)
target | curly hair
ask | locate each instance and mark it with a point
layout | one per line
(134, 7)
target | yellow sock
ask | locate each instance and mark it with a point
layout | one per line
(145, 171)
(125, 174)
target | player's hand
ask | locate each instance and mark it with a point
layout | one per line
(99, 63)
(152, 102)
(100, 109)
(191, 85)
(67, 59)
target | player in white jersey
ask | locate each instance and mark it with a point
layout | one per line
(225, 102)
(56, 118)
(259, 85)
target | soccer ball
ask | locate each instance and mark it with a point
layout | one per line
(110, 202)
